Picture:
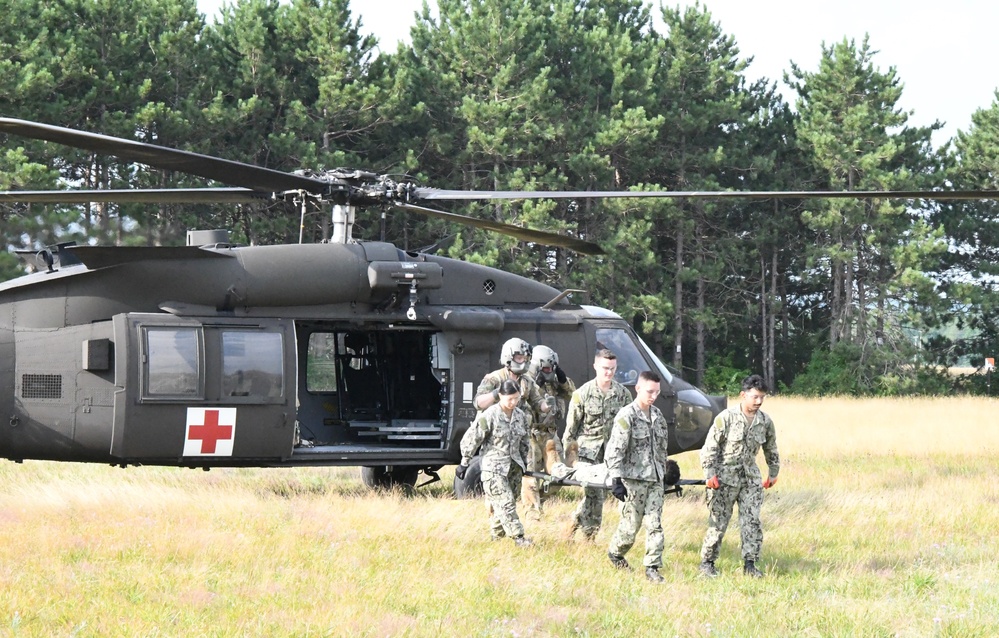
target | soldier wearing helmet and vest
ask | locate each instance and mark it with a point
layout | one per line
(515, 357)
(553, 384)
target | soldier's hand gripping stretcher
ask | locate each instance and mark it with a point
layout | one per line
(573, 472)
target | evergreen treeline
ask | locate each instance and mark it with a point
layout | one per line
(819, 295)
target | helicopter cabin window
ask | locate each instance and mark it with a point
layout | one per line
(173, 362)
(321, 363)
(252, 364)
(630, 362)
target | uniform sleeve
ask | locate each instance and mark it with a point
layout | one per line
(712, 446)
(535, 399)
(473, 438)
(617, 445)
(662, 442)
(770, 453)
(525, 447)
(487, 386)
(573, 419)
(565, 390)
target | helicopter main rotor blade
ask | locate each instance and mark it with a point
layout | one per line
(216, 168)
(142, 196)
(939, 195)
(524, 234)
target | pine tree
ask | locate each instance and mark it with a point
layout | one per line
(874, 252)
(701, 93)
(111, 66)
(533, 95)
(291, 91)
(970, 269)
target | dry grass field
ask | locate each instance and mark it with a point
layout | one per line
(883, 523)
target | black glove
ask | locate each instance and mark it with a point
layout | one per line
(560, 374)
(618, 489)
(459, 472)
(672, 474)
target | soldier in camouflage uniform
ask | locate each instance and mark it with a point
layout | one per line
(636, 463)
(553, 383)
(515, 357)
(500, 433)
(729, 459)
(588, 424)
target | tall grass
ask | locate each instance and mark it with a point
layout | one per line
(883, 524)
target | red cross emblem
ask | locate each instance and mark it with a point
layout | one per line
(210, 431)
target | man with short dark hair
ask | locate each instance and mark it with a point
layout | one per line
(729, 461)
(636, 463)
(588, 424)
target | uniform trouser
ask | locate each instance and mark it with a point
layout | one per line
(589, 513)
(501, 490)
(531, 492)
(720, 503)
(642, 506)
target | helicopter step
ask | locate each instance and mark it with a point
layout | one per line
(403, 437)
(413, 427)
(401, 430)
(369, 453)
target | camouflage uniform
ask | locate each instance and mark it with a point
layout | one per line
(504, 443)
(589, 421)
(637, 454)
(531, 398)
(730, 454)
(545, 428)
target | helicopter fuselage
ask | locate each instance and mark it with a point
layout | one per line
(324, 354)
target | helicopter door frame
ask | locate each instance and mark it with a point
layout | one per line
(204, 391)
(372, 389)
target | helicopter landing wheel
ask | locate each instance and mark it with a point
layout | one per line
(388, 476)
(471, 486)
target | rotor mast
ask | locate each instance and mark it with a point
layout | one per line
(343, 223)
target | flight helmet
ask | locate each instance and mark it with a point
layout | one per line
(544, 360)
(513, 347)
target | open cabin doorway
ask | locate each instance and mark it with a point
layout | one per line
(366, 390)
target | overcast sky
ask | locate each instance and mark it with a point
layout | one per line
(943, 51)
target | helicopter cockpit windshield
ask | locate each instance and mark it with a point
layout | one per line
(630, 361)
(661, 367)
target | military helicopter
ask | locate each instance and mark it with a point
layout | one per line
(348, 353)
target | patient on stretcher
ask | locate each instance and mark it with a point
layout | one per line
(587, 474)
(590, 474)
